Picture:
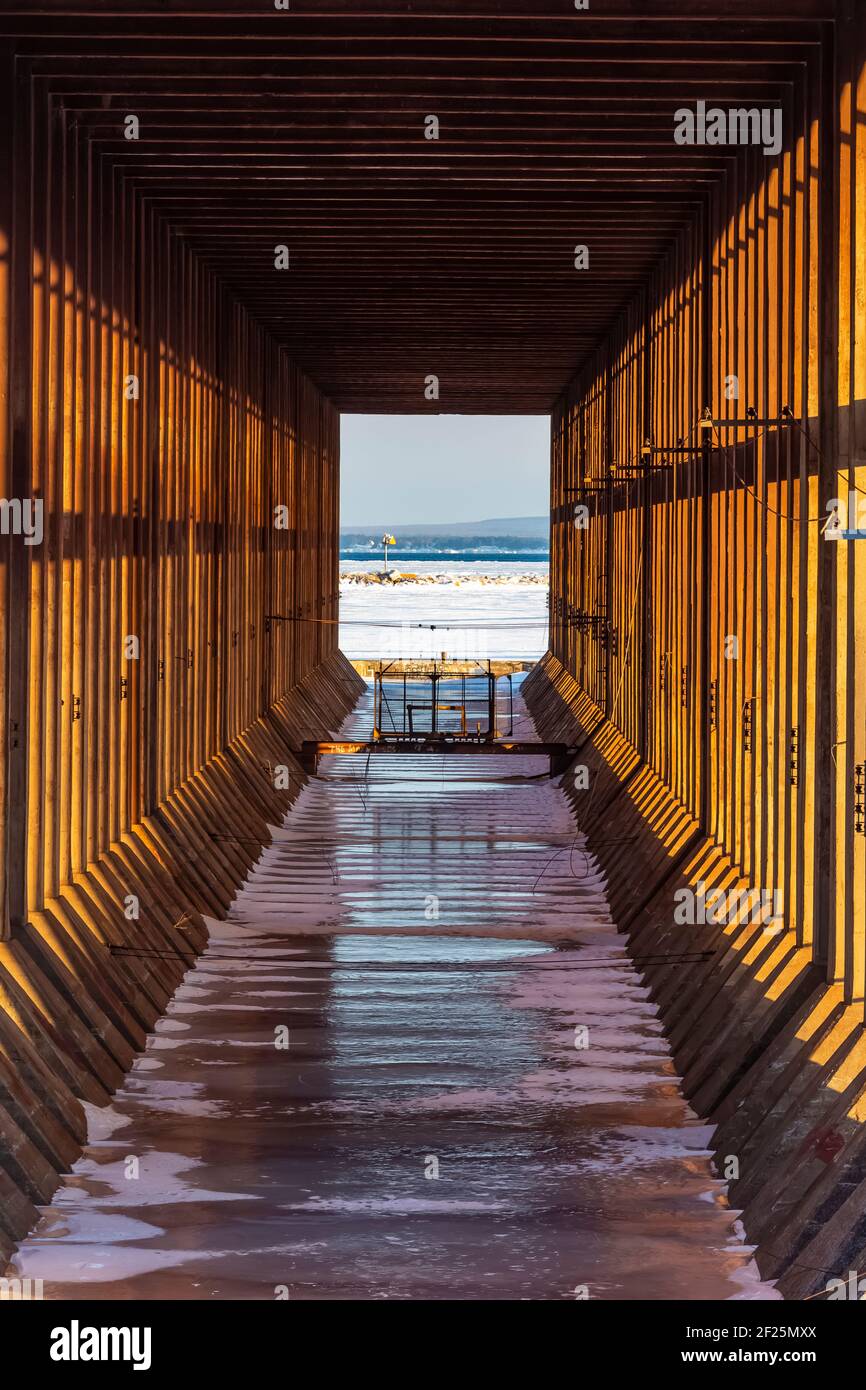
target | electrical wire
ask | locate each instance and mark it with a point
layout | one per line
(839, 471)
(783, 516)
(630, 635)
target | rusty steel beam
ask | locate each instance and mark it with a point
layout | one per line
(443, 745)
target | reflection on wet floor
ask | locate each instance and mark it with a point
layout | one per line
(376, 1083)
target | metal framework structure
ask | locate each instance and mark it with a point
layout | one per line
(472, 707)
(559, 754)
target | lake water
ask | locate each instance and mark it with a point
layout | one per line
(486, 608)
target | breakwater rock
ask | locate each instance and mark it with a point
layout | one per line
(402, 577)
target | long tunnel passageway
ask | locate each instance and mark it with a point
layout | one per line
(225, 226)
(350, 1098)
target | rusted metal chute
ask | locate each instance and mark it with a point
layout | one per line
(468, 716)
(311, 750)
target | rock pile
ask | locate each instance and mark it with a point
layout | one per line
(397, 577)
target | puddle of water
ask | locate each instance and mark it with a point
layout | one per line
(352, 1099)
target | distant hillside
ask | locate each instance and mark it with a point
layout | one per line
(536, 528)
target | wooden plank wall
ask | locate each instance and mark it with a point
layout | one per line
(166, 644)
(726, 745)
(160, 428)
(730, 651)
(848, 851)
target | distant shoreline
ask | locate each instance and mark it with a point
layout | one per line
(477, 556)
(495, 531)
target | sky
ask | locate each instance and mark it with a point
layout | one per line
(403, 469)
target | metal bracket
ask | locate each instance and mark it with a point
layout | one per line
(663, 451)
(747, 726)
(588, 624)
(753, 421)
(794, 756)
(592, 485)
(591, 488)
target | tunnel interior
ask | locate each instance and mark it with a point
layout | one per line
(222, 224)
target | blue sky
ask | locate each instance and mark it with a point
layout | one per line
(403, 469)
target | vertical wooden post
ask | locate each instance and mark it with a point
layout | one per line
(21, 319)
(828, 300)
